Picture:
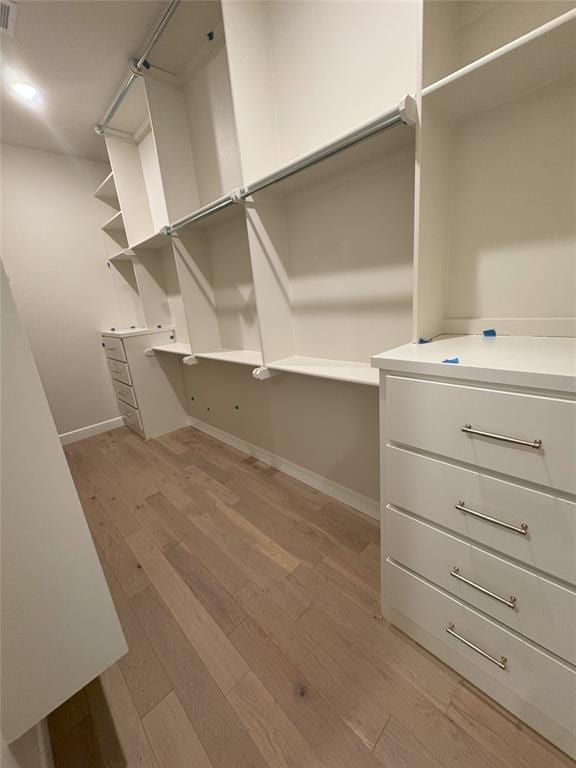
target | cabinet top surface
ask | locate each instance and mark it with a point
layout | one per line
(123, 333)
(529, 361)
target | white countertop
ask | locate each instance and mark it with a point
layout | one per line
(528, 361)
(123, 333)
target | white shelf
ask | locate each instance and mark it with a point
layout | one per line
(531, 61)
(151, 243)
(530, 361)
(177, 348)
(241, 356)
(339, 370)
(114, 224)
(107, 191)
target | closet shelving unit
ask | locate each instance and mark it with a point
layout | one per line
(332, 246)
(214, 266)
(497, 192)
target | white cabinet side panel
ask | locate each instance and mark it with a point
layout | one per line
(59, 625)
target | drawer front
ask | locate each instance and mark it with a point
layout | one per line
(542, 683)
(549, 542)
(131, 417)
(431, 416)
(125, 393)
(114, 348)
(535, 607)
(120, 371)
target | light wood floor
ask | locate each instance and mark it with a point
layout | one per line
(250, 606)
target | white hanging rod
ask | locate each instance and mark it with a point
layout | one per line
(405, 113)
(136, 68)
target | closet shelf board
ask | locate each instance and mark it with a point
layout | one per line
(323, 368)
(107, 191)
(150, 243)
(241, 356)
(114, 224)
(177, 348)
(533, 60)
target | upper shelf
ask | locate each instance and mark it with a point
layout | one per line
(114, 223)
(107, 191)
(338, 370)
(531, 61)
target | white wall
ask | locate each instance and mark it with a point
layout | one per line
(53, 252)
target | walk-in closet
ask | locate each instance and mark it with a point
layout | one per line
(289, 365)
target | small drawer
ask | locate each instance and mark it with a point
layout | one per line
(537, 687)
(131, 417)
(446, 418)
(125, 393)
(120, 371)
(538, 529)
(529, 604)
(114, 348)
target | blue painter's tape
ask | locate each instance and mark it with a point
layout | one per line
(489, 332)
(451, 360)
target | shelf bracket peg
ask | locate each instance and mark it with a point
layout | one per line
(408, 110)
(149, 352)
(237, 195)
(262, 373)
(190, 360)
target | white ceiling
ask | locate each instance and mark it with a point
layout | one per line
(76, 53)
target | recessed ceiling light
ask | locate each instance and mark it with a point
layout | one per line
(24, 90)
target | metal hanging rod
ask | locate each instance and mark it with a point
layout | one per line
(136, 68)
(405, 113)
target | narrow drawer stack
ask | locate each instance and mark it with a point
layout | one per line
(479, 538)
(122, 381)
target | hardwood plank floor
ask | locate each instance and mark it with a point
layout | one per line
(250, 607)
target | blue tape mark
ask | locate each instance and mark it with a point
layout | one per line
(489, 332)
(451, 360)
(422, 340)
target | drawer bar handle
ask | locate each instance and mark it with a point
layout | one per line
(511, 603)
(501, 662)
(522, 529)
(536, 444)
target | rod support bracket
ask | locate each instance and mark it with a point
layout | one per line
(263, 373)
(408, 110)
(237, 195)
(166, 231)
(190, 360)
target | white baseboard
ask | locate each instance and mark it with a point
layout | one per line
(339, 492)
(92, 429)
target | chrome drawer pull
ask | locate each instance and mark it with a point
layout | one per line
(501, 662)
(530, 443)
(522, 529)
(511, 603)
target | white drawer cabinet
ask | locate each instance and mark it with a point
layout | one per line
(541, 689)
(432, 416)
(148, 383)
(534, 606)
(479, 517)
(538, 529)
